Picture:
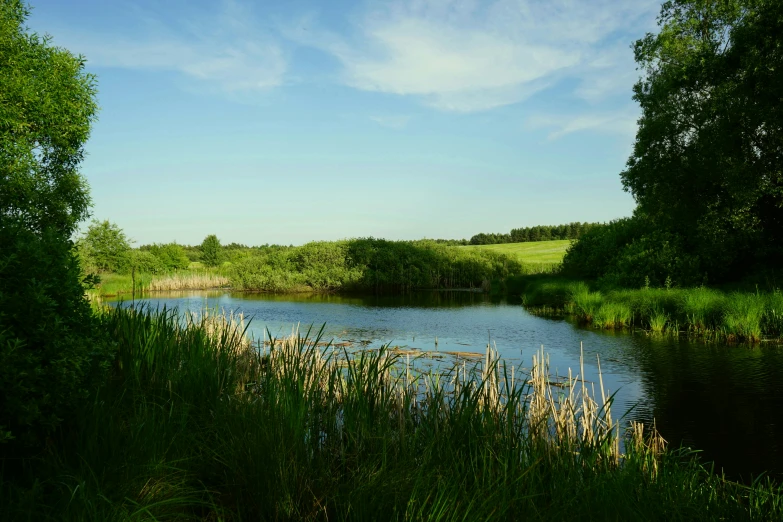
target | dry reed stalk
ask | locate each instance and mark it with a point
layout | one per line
(196, 281)
(559, 416)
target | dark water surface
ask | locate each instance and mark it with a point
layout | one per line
(726, 401)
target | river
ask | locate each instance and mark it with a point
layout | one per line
(725, 401)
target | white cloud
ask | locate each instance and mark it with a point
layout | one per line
(465, 55)
(620, 122)
(221, 49)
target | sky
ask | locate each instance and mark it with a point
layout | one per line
(288, 121)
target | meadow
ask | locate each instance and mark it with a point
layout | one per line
(195, 423)
(532, 252)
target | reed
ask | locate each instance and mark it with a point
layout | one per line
(188, 281)
(198, 422)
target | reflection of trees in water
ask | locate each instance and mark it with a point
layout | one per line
(414, 299)
(724, 400)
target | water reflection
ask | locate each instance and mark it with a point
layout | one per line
(724, 400)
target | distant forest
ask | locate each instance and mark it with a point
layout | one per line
(537, 233)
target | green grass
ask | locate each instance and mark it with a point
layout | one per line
(541, 252)
(730, 316)
(194, 426)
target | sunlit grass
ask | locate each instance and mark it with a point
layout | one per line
(542, 252)
(735, 316)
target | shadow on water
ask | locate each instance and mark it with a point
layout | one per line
(726, 401)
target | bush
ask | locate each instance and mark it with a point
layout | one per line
(631, 252)
(146, 262)
(51, 347)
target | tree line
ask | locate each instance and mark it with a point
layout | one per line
(537, 233)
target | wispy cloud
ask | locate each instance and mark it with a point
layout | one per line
(465, 55)
(221, 49)
(397, 122)
(620, 122)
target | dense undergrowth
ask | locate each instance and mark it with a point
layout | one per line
(709, 312)
(193, 425)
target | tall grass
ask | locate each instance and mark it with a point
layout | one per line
(118, 284)
(188, 281)
(735, 316)
(197, 424)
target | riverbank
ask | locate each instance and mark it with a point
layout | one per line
(357, 265)
(193, 425)
(706, 312)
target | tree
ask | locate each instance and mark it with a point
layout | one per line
(105, 248)
(171, 255)
(210, 251)
(706, 163)
(50, 343)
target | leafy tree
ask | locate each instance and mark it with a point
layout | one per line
(210, 250)
(707, 162)
(143, 261)
(50, 343)
(171, 256)
(105, 248)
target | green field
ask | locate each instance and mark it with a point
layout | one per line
(530, 252)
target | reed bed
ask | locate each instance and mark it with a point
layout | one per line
(200, 423)
(188, 281)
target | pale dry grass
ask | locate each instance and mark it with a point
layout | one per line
(556, 412)
(194, 281)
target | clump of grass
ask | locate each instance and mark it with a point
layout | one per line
(658, 321)
(703, 308)
(772, 322)
(585, 302)
(742, 317)
(612, 315)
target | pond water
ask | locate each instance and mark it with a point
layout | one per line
(726, 401)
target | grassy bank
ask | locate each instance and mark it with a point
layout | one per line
(731, 316)
(532, 252)
(194, 426)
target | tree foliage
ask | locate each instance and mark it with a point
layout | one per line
(50, 344)
(706, 164)
(105, 248)
(210, 251)
(537, 233)
(170, 255)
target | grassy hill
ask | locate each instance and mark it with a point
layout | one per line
(531, 252)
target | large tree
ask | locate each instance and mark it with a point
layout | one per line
(49, 341)
(706, 163)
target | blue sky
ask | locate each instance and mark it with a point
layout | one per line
(288, 121)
